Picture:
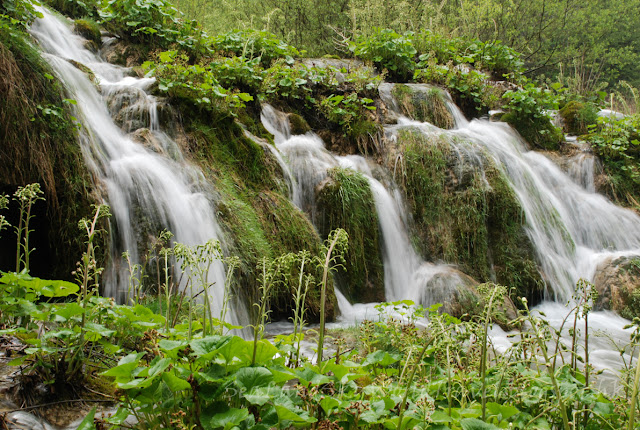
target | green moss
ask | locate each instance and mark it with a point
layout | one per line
(467, 214)
(345, 201)
(298, 124)
(537, 132)
(89, 29)
(426, 106)
(578, 117)
(259, 220)
(38, 143)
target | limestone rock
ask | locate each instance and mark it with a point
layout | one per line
(616, 279)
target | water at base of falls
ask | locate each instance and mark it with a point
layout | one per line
(148, 187)
(572, 228)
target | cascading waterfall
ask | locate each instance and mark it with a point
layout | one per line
(571, 227)
(148, 185)
(406, 275)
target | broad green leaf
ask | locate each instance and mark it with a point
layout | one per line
(248, 378)
(505, 411)
(476, 424)
(208, 346)
(229, 419)
(298, 416)
(245, 97)
(175, 383)
(87, 423)
(64, 313)
(125, 366)
(59, 289)
(381, 358)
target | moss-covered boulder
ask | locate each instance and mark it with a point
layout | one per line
(617, 280)
(88, 29)
(465, 212)
(345, 201)
(578, 116)
(540, 132)
(423, 103)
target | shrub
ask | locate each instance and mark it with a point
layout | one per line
(527, 111)
(388, 50)
(578, 116)
(254, 44)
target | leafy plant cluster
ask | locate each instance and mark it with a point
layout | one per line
(182, 367)
(528, 111)
(617, 142)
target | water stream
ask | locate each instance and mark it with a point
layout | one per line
(572, 227)
(148, 185)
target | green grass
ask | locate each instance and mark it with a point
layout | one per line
(346, 201)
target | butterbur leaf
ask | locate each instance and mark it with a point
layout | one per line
(125, 366)
(59, 289)
(476, 424)
(248, 378)
(293, 414)
(175, 383)
(209, 346)
(229, 418)
(505, 411)
(87, 423)
(381, 358)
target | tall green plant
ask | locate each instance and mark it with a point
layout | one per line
(333, 250)
(26, 197)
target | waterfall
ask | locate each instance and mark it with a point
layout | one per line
(571, 227)
(147, 187)
(406, 275)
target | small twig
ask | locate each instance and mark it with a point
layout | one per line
(44, 405)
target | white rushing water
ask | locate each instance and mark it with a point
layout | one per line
(571, 227)
(143, 184)
(406, 275)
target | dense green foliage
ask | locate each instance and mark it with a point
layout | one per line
(346, 201)
(466, 213)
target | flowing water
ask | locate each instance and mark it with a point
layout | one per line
(571, 227)
(149, 187)
(406, 275)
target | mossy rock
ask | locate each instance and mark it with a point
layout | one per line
(345, 201)
(88, 29)
(465, 212)
(424, 104)
(578, 116)
(252, 208)
(616, 281)
(298, 124)
(38, 143)
(539, 133)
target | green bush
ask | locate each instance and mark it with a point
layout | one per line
(494, 57)
(254, 44)
(527, 111)
(154, 23)
(76, 8)
(193, 83)
(578, 116)
(388, 50)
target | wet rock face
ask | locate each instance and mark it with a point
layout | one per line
(119, 52)
(617, 280)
